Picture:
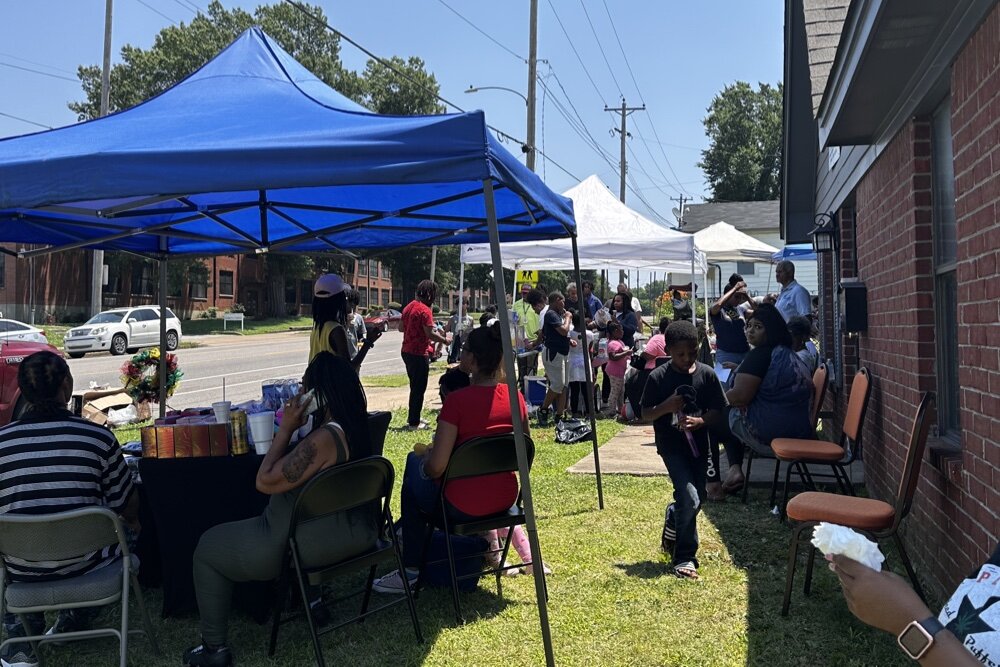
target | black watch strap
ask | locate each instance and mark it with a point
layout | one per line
(932, 625)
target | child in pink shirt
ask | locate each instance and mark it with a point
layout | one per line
(618, 355)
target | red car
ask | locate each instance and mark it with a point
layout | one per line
(12, 353)
(384, 320)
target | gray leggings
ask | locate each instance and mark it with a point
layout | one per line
(248, 550)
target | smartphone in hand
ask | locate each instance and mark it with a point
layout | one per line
(308, 399)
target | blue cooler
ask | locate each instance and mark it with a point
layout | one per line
(535, 388)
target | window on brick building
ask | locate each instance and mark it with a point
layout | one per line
(363, 297)
(385, 271)
(225, 283)
(386, 297)
(746, 268)
(142, 279)
(945, 261)
(198, 287)
(3, 269)
(362, 267)
(291, 298)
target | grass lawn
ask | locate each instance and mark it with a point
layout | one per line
(611, 599)
(251, 326)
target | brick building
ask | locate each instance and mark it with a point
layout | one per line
(892, 126)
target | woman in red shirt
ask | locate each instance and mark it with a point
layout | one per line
(481, 409)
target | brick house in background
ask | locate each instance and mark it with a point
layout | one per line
(892, 127)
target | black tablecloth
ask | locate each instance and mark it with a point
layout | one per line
(184, 498)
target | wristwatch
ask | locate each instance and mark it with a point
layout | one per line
(918, 637)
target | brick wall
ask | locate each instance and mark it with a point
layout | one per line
(954, 521)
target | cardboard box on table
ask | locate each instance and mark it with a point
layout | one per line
(94, 405)
(185, 441)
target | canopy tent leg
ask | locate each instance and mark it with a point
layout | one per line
(515, 411)
(589, 396)
(694, 320)
(162, 370)
(704, 275)
(461, 298)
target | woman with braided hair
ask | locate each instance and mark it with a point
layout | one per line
(56, 462)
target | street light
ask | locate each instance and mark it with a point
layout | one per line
(476, 89)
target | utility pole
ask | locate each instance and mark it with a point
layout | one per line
(625, 111)
(97, 279)
(532, 75)
(680, 199)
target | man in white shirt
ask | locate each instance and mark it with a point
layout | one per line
(793, 299)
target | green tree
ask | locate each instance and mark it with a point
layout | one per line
(743, 160)
(177, 51)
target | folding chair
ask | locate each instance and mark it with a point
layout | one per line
(378, 426)
(356, 485)
(878, 519)
(476, 457)
(799, 453)
(820, 382)
(64, 536)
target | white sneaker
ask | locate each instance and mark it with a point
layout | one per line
(392, 583)
(527, 569)
(19, 659)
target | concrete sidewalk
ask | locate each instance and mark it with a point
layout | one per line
(393, 398)
(633, 452)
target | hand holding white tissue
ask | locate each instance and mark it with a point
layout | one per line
(833, 539)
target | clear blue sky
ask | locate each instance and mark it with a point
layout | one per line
(680, 52)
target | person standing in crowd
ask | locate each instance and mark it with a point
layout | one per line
(555, 335)
(681, 439)
(459, 330)
(356, 330)
(728, 317)
(618, 355)
(527, 309)
(331, 322)
(55, 462)
(590, 301)
(621, 308)
(576, 373)
(634, 304)
(654, 350)
(419, 332)
(794, 298)
(572, 298)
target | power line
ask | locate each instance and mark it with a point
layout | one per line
(25, 120)
(36, 71)
(154, 9)
(622, 49)
(188, 6)
(601, 48)
(577, 53)
(382, 61)
(481, 31)
(33, 62)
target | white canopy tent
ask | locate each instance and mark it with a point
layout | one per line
(722, 242)
(610, 236)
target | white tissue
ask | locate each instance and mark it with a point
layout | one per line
(833, 539)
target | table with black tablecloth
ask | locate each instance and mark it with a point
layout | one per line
(185, 497)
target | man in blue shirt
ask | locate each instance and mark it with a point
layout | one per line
(793, 299)
(590, 300)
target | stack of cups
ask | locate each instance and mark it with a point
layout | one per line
(222, 409)
(261, 426)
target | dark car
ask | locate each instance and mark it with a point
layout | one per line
(12, 353)
(384, 320)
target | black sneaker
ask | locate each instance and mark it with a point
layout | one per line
(543, 418)
(208, 656)
(669, 537)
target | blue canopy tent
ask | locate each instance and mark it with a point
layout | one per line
(253, 153)
(800, 251)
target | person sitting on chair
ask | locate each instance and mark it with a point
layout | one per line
(253, 549)
(55, 462)
(482, 409)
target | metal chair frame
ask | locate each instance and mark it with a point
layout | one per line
(69, 534)
(338, 489)
(473, 458)
(903, 502)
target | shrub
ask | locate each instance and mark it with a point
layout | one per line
(394, 305)
(238, 308)
(435, 309)
(209, 313)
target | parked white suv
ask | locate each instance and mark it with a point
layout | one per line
(120, 330)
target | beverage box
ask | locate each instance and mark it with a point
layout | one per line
(185, 441)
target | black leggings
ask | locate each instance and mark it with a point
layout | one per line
(417, 370)
(579, 399)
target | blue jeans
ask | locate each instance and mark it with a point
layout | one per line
(721, 356)
(687, 474)
(419, 496)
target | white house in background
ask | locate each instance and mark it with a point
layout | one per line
(759, 219)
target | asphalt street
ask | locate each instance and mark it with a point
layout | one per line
(244, 361)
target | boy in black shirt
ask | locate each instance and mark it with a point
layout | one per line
(681, 436)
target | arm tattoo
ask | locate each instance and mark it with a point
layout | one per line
(299, 461)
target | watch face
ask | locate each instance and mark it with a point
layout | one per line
(914, 640)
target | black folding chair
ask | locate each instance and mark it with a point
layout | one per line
(474, 458)
(356, 485)
(378, 426)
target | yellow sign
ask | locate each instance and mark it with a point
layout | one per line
(527, 277)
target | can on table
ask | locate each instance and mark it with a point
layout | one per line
(238, 430)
